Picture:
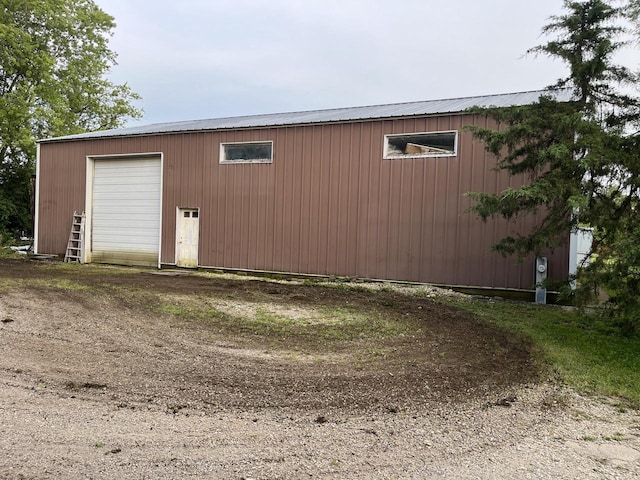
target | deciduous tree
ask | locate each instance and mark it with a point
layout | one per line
(54, 61)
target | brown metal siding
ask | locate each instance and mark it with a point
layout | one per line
(61, 192)
(328, 204)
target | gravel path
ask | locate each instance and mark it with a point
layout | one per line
(96, 382)
(544, 433)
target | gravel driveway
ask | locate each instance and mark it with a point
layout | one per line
(99, 381)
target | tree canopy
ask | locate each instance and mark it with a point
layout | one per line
(581, 157)
(54, 61)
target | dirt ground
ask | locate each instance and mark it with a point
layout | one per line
(122, 373)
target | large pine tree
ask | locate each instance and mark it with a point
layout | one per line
(582, 157)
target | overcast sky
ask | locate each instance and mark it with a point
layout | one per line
(192, 59)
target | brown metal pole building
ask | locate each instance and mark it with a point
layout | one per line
(370, 192)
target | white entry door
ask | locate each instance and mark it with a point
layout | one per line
(188, 231)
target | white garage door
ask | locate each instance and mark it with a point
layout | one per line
(126, 211)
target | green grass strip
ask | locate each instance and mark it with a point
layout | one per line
(588, 356)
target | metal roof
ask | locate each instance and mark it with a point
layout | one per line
(395, 110)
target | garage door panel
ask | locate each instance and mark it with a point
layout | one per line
(124, 186)
(129, 182)
(126, 257)
(128, 205)
(137, 237)
(121, 245)
(128, 185)
(126, 211)
(130, 223)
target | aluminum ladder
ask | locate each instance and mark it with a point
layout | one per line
(76, 239)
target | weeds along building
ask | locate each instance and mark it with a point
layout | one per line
(371, 192)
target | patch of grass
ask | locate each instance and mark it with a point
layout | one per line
(8, 283)
(329, 324)
(616, 437)
(586, 354)
(346, 324)
(60, 284)
(6, 252)
(52, 283)
(91, 268)
(343, 285)
(188, 310)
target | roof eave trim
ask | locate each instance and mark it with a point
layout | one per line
(90, 136)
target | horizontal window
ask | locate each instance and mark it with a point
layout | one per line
(418, 145)
(246, 152)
